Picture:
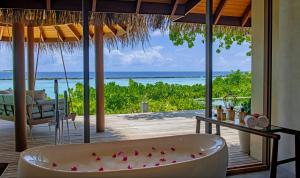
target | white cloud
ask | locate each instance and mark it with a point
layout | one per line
(149, 56)
(158, 33)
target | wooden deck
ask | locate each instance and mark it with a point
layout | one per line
(119, 127)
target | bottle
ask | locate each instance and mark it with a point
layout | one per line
(242, 115)
(231, 114)
(219, 113)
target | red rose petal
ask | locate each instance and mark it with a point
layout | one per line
(129, 167)
(101, 169)
(162, 159)
(120, 153)
(93, 154)
(136, 153)
(162, 152)
(125, 158)
(144, 165)
(153, 148)
(98, 158)
(74, 168)
(200, 153)
(174, 161)
(157, 164)
(173, 149)
(114, 155)
(54, 164)
(150, 155)
(193, 156)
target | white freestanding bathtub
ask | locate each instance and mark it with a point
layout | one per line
(186, 156)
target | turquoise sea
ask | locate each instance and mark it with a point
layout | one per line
(45, 80)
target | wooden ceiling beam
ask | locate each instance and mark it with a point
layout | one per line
(74, 31)
(113, 30)
(42, 34)
(138, 6)
(218, 12)
(174, 5)
(48, 4)
(1, 32)
(60, 34)
(94, 5)
(190, 4)
(246, 15)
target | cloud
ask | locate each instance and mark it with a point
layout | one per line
(158, 33)
(152, 55)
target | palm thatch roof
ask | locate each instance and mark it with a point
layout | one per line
(54, 26)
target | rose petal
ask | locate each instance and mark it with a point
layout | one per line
(173, 149)
(200, 153)
(174, 161)
(54, 164)
(193, 156)
(74, 168)
(153, 148)
(162, 152)
(157, 164)
(144, 165)
(101, 169)
(125, 158)
(129, 167)
(150, 155)
(120, 153)
(136, 153)
(98, 158)
(114, 155)
(94, 154)
(162, 159)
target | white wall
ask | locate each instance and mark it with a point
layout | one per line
(257, 70)
(286, 71)
(286, 74)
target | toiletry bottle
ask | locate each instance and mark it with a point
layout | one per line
(242, 115)
(231, 114)
(219, 113)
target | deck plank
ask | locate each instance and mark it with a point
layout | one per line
(119, 127)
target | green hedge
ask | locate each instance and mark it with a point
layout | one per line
(160, 96)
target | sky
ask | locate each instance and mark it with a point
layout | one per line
(158, 55)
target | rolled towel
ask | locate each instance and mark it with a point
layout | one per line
(263, 121)
(250, 121)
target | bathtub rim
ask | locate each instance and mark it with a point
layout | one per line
(224, 145)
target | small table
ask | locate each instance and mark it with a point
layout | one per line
(268, 132)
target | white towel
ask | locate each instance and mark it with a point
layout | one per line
(262, 121)
(250, 121)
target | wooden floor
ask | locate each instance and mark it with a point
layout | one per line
(118, 127)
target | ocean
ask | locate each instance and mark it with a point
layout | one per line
(45, 80)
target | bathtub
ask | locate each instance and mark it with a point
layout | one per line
(184, 156)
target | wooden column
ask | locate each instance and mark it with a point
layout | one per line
(19, 86)
(99, 72)
(30, 58)
(208, 67)
(86, 70)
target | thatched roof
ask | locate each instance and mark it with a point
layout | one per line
(64, 27)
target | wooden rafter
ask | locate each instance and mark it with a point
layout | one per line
(246, 15)
(59, 32)
(138, 6)
(113, 30)
(174, 5)
(1, 32)
(218, 12)
(94, 5)
(190, 5)
(48, 4)
(74, 31)
(42, 33)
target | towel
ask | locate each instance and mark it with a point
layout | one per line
(263, 121)
(250, 121)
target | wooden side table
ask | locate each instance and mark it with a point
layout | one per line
(269, 132)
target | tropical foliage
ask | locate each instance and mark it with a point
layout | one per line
(226, 36)
(161, 96)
